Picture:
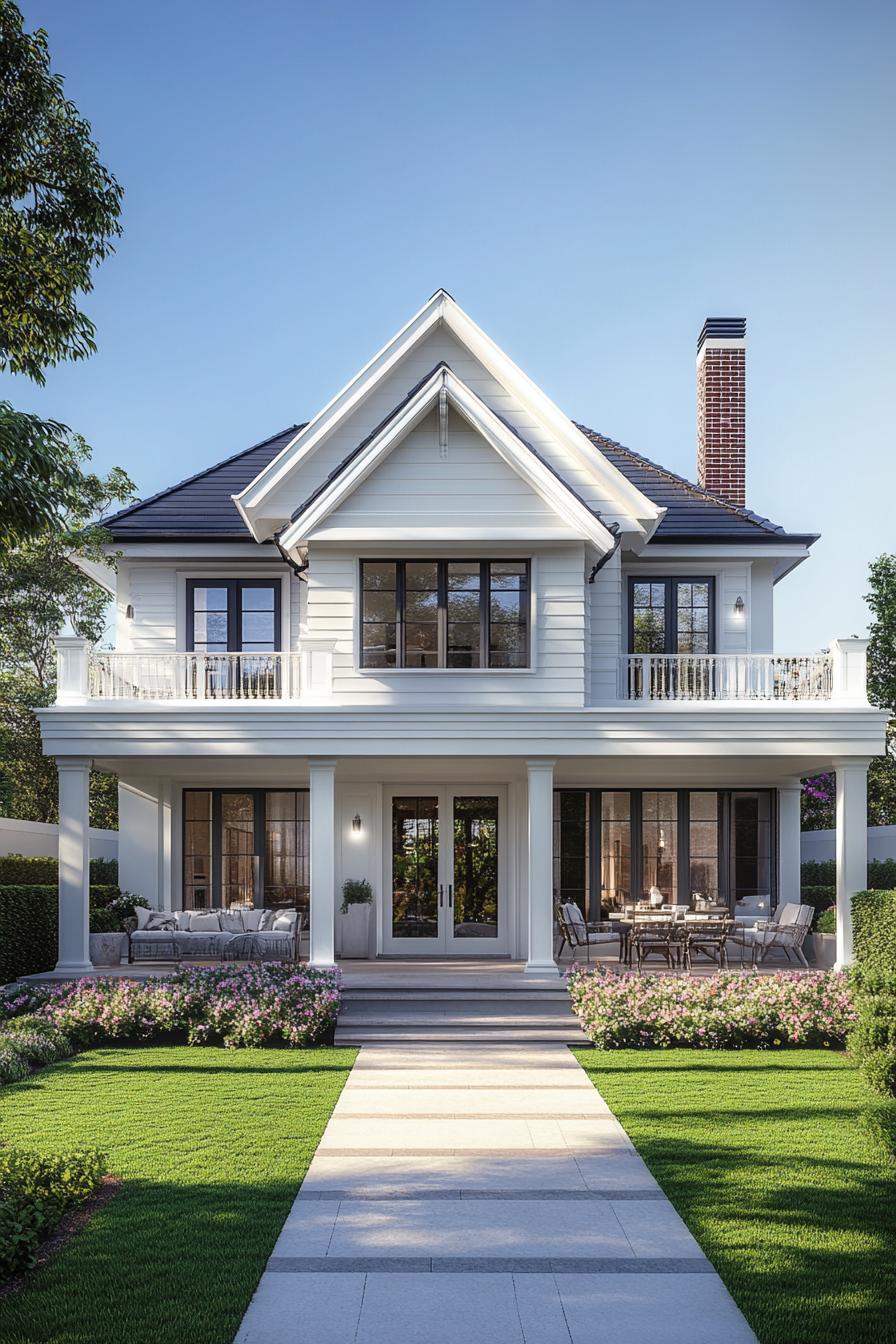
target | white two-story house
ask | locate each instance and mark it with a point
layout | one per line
(445, 639)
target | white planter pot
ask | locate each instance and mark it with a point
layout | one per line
(107, 949)
(356, 931)
(823, 952)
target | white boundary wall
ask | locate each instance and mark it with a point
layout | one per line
(40, 840)
(821, 844)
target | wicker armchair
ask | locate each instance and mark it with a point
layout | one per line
(785, 933)
(575, 932)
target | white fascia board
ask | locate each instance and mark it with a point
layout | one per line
(169, 552)
(307, 440)
(556, 494)
(441, 307)
(643, 510)
(721, 551)
(103, 575)
(442, 535)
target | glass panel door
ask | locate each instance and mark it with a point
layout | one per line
(414, 879)
(239, 862)
(473, 891)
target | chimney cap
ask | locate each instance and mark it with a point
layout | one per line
(722, 329)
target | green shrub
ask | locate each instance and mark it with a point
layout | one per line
(820, 898)
(35, 1192)
(818, 873)
(21, 870)
(880, 1120)
(27, 1043)
(873, 1039)
(28, 924)
(355, 891)
(874, 931)
(826, 922)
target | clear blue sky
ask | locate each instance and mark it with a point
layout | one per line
(589, 180)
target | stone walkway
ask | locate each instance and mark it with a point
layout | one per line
(483, 1193)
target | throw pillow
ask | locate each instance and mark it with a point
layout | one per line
(267, 920)
(161, 921)
(283, 924)
(252, 920)
(143, 915)
(205, 923)
(231, 921)
(183, 918)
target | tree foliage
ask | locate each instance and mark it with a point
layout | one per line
(59, 208)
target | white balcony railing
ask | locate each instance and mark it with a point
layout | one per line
(193, 676)
(727, 676)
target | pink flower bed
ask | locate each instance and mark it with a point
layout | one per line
(726, 1011)
(248, 1005)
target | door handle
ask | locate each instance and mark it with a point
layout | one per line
(450, 895)
(441, 895)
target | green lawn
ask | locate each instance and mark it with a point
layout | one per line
(212, 1146)
(764, 1157)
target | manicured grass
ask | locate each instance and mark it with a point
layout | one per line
(765, 1158)
(212, 1146)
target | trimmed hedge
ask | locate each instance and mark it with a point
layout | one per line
(22, 870)
(823, 873)
(35, 1192)
(29, 927)
(874, 931)
(820, 898)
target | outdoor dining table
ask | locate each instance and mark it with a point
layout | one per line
(626, 922)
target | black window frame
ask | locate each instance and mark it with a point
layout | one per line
(670, 584)
(259, 815)
(234, 610)
(485, 621)
(683, 863)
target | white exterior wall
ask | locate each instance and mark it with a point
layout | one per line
(606, 600)
(40, 840)
(145, 840)
(439, 346)
(555, 679)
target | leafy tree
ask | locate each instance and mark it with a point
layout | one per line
(40, 590)
(59, 210)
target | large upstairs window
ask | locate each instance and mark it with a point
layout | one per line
(671, 615)
(444, 613)
(233, 615)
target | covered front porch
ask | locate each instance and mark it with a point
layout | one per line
(467, 857)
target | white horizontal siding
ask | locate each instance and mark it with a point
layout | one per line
(606, 609)
(439, 346)
(152, 591)
(558, 643)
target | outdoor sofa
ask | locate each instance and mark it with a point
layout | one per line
(238, 934)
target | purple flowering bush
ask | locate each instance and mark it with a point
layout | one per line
(729, 1011)
(235, 1006)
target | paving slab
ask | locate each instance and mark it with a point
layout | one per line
(483, 1192)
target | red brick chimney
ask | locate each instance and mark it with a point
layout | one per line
(722, 407)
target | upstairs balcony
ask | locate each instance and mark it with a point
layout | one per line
(87, 675)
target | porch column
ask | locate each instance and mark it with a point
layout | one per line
(322, 951)
(541, 869)
(789, 797)
(74, 865)
(852, 849)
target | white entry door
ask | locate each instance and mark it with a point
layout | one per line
(444, 879)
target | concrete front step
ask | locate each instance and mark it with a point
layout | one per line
(352, 1036)
(411, 1014)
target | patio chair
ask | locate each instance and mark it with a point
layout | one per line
(576, 933)
(707, 938)
(652, 937)
(785, 933)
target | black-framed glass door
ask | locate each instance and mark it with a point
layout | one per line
(246, 847)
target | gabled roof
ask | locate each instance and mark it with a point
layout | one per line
(692, 513)
(254, 502)
(201, 507)
(510, 446)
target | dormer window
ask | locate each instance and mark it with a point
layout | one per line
(444, 613)
(233, 615)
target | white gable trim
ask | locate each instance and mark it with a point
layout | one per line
(517, 455)
(441, 307)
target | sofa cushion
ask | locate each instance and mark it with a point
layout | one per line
(267, 920)
(142, 915)
(161, 920)
(205, 922)
(154, 936)
(252, 920)
(191, 943)
(183, 918)
(231, 921)
(285, 922)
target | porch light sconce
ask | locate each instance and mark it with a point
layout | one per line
(129, 612)
(739, 608)
(356, 825)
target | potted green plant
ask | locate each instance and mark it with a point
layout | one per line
(108, 938)
(357, 898)
(824, 939)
